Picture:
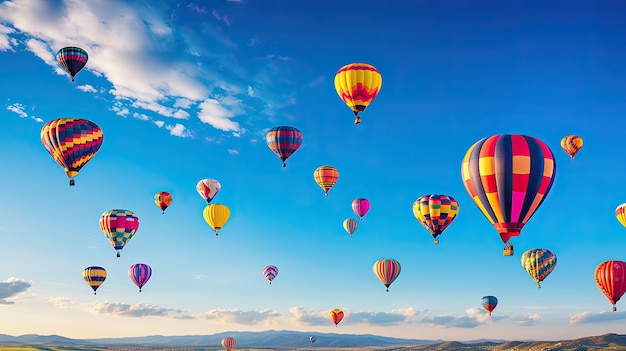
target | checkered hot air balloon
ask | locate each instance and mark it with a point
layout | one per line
(358, 84)
(72, 59)
(386, 270)
(270, 272)
(538, 263)
(508, 176)
(610, 276)
(571, 144)
(94, 276)
(283, 141)
(71, 142)
(119, 226)
(326, 177)
(229, 343)
(435, 213)
(140, 273)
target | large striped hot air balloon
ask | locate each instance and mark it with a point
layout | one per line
(350, 225)
(229, 343)
(357, 84)
(538, 263)
(119, 226)
(208, 189)
(163, 200)
(270, 272)
(336, 316)
(508, 176)
(216, 216)
(72, 59)
(94, 276)
(72, 142)
(489, 303)
(326, 177)
(386, 270)
(283, 141)
(610, 276)
(435, 213)
(140, 273)
(571, 144)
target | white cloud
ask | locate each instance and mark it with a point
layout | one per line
(37, 119)
(86, 88)
(178, 130)
(250, 91)
(213, 113)
(141, 116)
(159, 123)
(233, 152)
(6, 43)
(588, 317)
(18, 109)
(11, 288)
(183, 103)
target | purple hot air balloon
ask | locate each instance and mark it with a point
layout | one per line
(139, 273)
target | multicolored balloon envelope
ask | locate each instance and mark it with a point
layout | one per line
(208, 189)
(360, 206)
(571, 144)
(94, 276)
(326, 177)
(386, 270)
(119, 226)
(72, 59)
(489, 303)
(336, 316)
(620, 214)
(435, 213)
(163, 200)
(270, 272)
(610, 276)
(229, 343)
(358, 84)
(283, 141)
(71, 142)
(538, 263)
(216, 216)
(140, 273)
(508, 176)
(350, 225)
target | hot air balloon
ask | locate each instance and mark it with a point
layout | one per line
(360, 207)
(571, 144)
(270, 272)
(350, 225)
(228, 343)
(508, 176)
(208, 189)
(72, 142)
(140, 273)
(611, 279)
(94, 276)
(336, 316)
(386, 270)
(163, 200)
(284, 141)
(216, 216)
(539, 263)
(489, 303)
(435, 213)
(312, 339)
(72, 59)
(357, 84)
(326, 177)
(119, 226)
(620, 214)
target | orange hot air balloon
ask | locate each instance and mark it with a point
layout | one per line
(326, 177)
(163, 200)
(336, 316)
(358, 84)
(611, 279)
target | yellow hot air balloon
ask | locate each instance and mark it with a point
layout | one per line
(216, 216)
(571, 144)
(357, 85)
(326, 177)
(620, 214)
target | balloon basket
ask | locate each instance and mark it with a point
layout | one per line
(507, 252)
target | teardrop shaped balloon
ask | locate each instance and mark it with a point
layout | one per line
(71, 142)
(326, 177)
(386, 270)
(508, 176)
(216, 216)
(208, 189)
(538, 263)
(620, 214)
(360, 206)
(94, 276)
(610, 276)
(489, 303)
(119, 226)
(270, 272)
(435, 213)
(229, 343)
(350, 225)
(140, 273)
(163, 200)
(72, 59)
(336, 316)
(358, 84)
(571, 144)
(283, 141)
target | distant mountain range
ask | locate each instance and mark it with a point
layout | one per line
(291, 340)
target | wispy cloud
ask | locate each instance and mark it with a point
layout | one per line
(198, 9)
(86, 88)
(588, 317)
(19, 109)
(179, 130)
(220, 18)
(233, 152)
(11, 288)
(6, 43)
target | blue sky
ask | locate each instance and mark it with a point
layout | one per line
(186, 90)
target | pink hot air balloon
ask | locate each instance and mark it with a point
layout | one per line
(360, 207)
(270, 272)
(228, 343)
(139, 273)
